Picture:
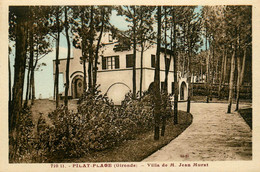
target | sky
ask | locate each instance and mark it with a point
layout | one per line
(44, 79)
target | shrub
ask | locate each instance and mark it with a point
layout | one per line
(97, 125)
(138, 112)
(21, 139)
(66, 137)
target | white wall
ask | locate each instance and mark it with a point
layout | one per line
(108, 77)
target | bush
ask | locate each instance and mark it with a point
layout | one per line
(138, 112)
(66, 138)
(21, 139)
(97, 125)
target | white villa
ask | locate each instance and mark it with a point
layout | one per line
(115, 72)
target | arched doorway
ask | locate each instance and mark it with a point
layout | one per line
(117, 92)
(183, 91)
(77, 86)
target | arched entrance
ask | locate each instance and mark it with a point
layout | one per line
(183, 91)
(77, 86)
(117, 92)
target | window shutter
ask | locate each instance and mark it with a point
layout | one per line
(116, 62)
(104, 63)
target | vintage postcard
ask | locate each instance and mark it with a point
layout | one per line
(129, 85)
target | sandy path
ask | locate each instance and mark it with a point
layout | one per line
(213, 135)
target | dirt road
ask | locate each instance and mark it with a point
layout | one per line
(213, 135)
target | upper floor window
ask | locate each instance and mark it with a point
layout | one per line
(129, 60)
(152, 60)
(111, 62)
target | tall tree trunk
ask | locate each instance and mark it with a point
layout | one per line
(57, 62)
(243, 66)
(217, 71)
(19, 66)
(224, 72)
(134, 54)
(32, 83)
(225, 68)
(165, 86)
(141, 72)
(90, 62)
(33, 86)
(83, 52)
(84, 74)
(142, 44)
(221, 74)
(68, 59)
(167, 66)
(10, 88)
(238, 82)
(189, 80)
(30, 65)
(98, 46)
(90, 74)
(189, 73)
(175, 68)
(231, 81)
(27, 88)
(240, 77)
(156, 95)
(212, 66)
(184, 51)
(207, 69)
(201, 72)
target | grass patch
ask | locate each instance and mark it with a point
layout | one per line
(137, 149)
(246, 114)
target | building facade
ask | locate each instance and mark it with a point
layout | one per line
(115, 71)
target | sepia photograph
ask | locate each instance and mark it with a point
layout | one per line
(129, 86)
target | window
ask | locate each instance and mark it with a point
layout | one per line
(152, 60)
(129, 60)
(111, 62)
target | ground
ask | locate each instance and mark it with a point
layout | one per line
(213, 135)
